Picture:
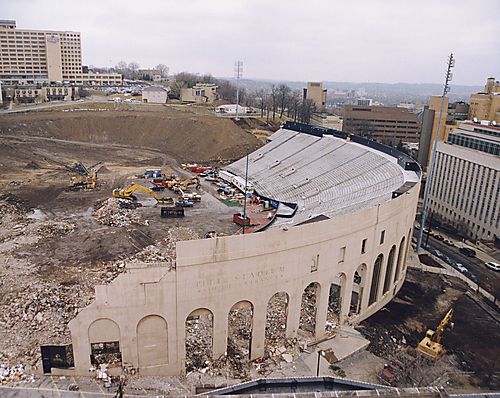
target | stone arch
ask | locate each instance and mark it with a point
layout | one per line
(276, 318)
(199, 327)
(400, 259)
(388, 270)
(309, 308)
(152, 341)
(240, 326)
(358, 285)
(334, 315)
(377, 268)
(408, 245)
(104, 340)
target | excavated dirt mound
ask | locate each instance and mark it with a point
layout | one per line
(186, 136)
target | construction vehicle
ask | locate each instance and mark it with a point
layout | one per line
(87, 177)
(128, 193)
(184, 203)
(430, 345)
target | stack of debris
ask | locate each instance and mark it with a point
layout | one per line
(308, 309)
(117, 212)
(14, 374)
(55, 228)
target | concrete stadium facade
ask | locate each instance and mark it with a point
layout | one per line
(145, 309)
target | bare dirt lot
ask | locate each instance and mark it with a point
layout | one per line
(53, 248)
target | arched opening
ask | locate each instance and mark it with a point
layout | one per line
(276, 317)
(104, 339)
(199, 339)
(388, 270)
(377, 267)
(239, 336)
(152, 341)
(335, 294)
(357, 289)
(400, 259)
(408, 245)
(308, 308)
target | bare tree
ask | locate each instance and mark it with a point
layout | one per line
(134, 67)
(307, 108)
(283, 97)
(274, 95)
(164, 69)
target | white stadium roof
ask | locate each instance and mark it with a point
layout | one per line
(323, 175)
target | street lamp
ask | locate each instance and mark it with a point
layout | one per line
(321, 353)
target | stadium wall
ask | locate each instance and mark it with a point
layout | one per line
(145, 309)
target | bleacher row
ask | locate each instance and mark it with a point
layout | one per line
(323, 175)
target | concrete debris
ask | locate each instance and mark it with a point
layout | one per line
(117, 212)
(14, 374)
(308, 309)
(287, 357)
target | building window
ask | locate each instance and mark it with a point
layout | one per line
(342, 254)
(363, 246)
(382, 237)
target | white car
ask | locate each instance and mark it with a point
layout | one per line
(492, 265)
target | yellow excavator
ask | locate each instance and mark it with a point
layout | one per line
(86, 178)
(430, 345)
(128, 193)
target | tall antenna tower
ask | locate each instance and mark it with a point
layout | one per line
(238, 72)
(430, 169)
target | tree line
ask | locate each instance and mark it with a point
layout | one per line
(273, 102)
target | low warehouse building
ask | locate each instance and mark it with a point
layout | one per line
(344, 214)
(155, 95)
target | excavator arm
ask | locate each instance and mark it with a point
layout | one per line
(128, 192)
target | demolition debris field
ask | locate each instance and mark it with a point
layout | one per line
(56, 243)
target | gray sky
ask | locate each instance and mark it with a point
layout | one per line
(350, 40)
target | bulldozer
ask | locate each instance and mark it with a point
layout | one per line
(87, 178)
(431, 346)
(128, 193)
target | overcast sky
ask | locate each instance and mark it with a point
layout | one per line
(386, 41)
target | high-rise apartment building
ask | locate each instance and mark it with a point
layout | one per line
(486, 105)
(389, 125)
(317, 94)
(44, 56)
(465, 192)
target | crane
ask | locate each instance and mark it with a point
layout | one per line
(127, 193)
(431, 344)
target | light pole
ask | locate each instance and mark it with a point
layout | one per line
(320, 354)
(238, 71)
(430, 169)
(245, 198)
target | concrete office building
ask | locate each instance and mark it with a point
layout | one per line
(465, 191)
(388, 125)
(44, 56)
(345, 210)
(317, 94)
(486, 105)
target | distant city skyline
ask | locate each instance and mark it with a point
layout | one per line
(387, 42)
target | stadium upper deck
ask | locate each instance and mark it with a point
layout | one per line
(322, 175)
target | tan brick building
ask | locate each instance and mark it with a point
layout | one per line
(317, 94)
(388, 125)
(44, 56)
(486, 105)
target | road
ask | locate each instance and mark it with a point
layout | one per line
(486, 278)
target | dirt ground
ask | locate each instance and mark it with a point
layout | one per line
(472, 350)
(53, 250)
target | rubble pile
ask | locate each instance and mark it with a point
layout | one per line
(334, 305)
(174, 235)
(116, 212)
(55, 228)
(14, 374)
(199, 332)
(150, 254)
(276, 321)
(38, 313)
(308, 309)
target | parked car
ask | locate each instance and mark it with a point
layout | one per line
(184, 203)
(467, 251)
(448, 242)
(493, 265)
(439, 237)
